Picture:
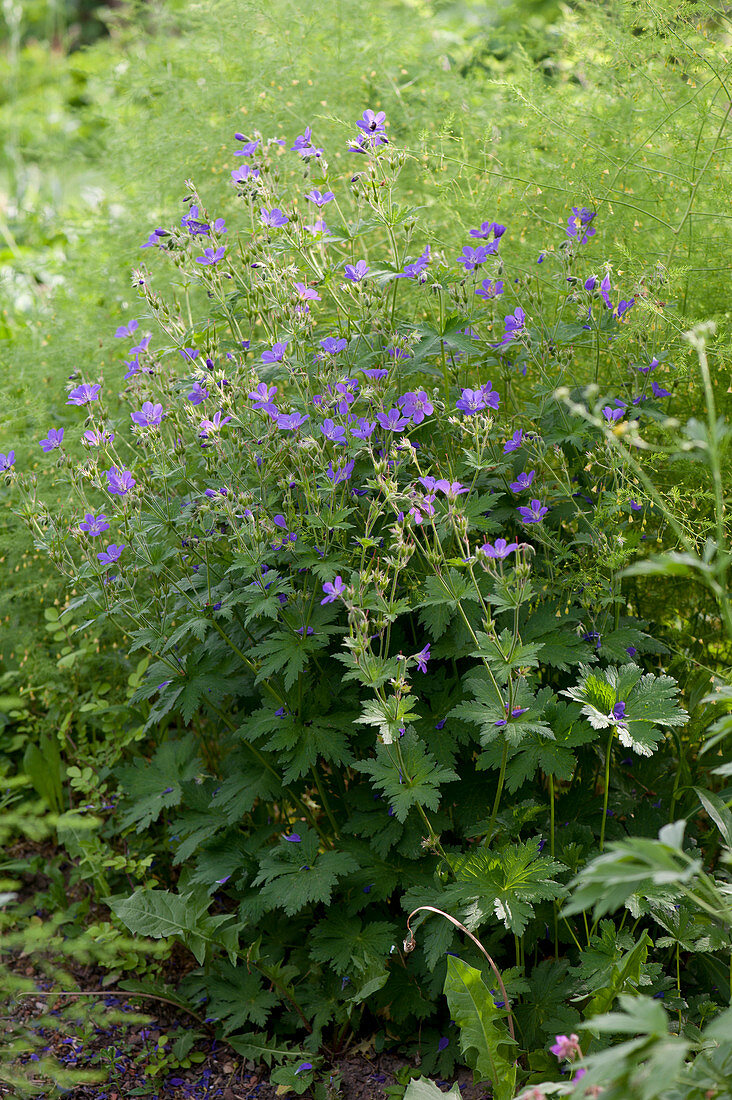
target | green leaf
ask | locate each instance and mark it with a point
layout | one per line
(484, 1039)
(718, 811)
(625, 977)
(347, 942)
(43, 766)
(152, 786)
(629, 866)
(504, 654)
(649, 703)
(296, 873)
(509, 881)
(236, 996)
(160, 914)
(412, 782)
(488, 710)
(390, 715)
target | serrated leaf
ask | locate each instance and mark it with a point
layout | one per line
(296, 873)
(484, 1039)
(152, 786)
(347, 942)
(415, 780)
(509, 881)
(160, 914)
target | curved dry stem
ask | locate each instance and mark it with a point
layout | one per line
(410, 943)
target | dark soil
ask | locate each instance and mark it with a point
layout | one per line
(123, 1054)
(114, 1034)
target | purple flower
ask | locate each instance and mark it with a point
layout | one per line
(94, 525)
(211, 256)
(248, 149)
(288, 422)
(605, 291)
(95, 438)
(7, 461)
(53, 440)
(357, 272)
(500, 550)
(149, 415)
(651, 366)
(392, 421)
(336, 433)
(277, 352)
(304, 146)
(611, 415)
(198, 394)
(443, 1043)
(591, 283)
(363, 429)
(126, 330)
(332, 346)
(333, 590)
(213, 425)
(472, 401)
(143, 345)
(340, 473)
(196, 228)
(416, 405)
(515, 324)
(273, 218)
(154, 238)
(422, 658)
(489, 289)
(318, 198)
(579, 220)
(84, 394)
(619, 712)
(473, 257)
(534, 513)
(302, 1067)
(523, 481)
(119, 482)
(244, 173)
(375, 374)
(451, 489)
(293, 838)
(415, 269)
(262, 397)
(133, 366)
(624, 306)
(318, 226)
(111, 554)
(486, 228)
(514, 442)
(659, 391)
(372, 123)
(306, 293)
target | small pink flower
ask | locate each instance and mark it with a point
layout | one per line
(566, 1047)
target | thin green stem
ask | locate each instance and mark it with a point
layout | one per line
(608, 758)
(499, 792)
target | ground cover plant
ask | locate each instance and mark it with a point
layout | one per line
(361, 502)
